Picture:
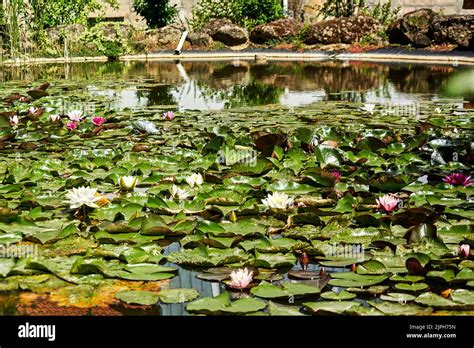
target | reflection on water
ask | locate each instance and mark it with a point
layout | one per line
(224, 85)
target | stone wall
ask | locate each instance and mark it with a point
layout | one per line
(446, 7)
(309, 9)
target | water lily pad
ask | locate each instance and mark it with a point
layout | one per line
(342, 296)
(446, 275)
(330, 307)
(433, 300)
(349, 279)
(371, 267)
(270, 291)
(145, 298)
(391, 308)
(414, 287)
(397, 297)
(274, 260)
(178, 295)
(280, 310)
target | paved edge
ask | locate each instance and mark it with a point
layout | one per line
(262, 56)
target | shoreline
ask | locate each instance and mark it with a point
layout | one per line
(380, 55)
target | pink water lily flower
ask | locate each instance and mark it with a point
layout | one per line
(14, 120)
(388, 203)
(336, 175)
(168, 116)
(32, 110)
(464, 251)
(98, 121)
(458, 179)
(71, 125)
(240, 279)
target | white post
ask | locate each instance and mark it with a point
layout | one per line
(285, 8)
(181, 42)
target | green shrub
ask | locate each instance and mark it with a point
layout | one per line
(51, 13)
(248, 13)
(384, 13)
(108, 45)
(157, 13)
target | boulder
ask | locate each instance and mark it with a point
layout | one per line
(454, 29)
(413, 28)
(199, 39)
(70, 32)
(342, 30)
(167, 36)
(115, 30)
(277, 30)
(225, 31)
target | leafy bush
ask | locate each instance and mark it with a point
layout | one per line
(384, 13)
(111, 46)
(248, 13)
(342, 8)
(255, 12)
(50, 13)
(157, 13)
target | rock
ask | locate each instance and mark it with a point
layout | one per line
(225, 31)
(167, 36)
(277, 30)
(115, 30)
(413, 28)
(199, 39)
(454, 29)
(70, 32)
(342, 30)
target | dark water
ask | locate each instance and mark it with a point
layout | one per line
(230, 84)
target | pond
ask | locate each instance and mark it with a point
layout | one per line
(343, 186)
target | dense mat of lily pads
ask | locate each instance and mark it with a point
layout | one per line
(255, 198)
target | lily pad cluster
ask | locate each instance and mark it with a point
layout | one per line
(381, 208)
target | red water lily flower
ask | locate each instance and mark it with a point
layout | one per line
(464, 251)
(458, 179)
(98, 121)
(71, 125)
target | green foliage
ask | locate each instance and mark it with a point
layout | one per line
(157, 13)
(384, 13)
(255, 12)
(342, 8)
(50, 13)
(109, 46)
(248, 13)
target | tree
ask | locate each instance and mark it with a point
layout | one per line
(157, 13)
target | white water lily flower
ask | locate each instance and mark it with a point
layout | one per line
(179, 193)
(438, 110)
(54, 118)
(78, 197)
(240, 279)
(369, 107)
(75, 115)
(194, 179)
(128, 182)
(278, 200)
